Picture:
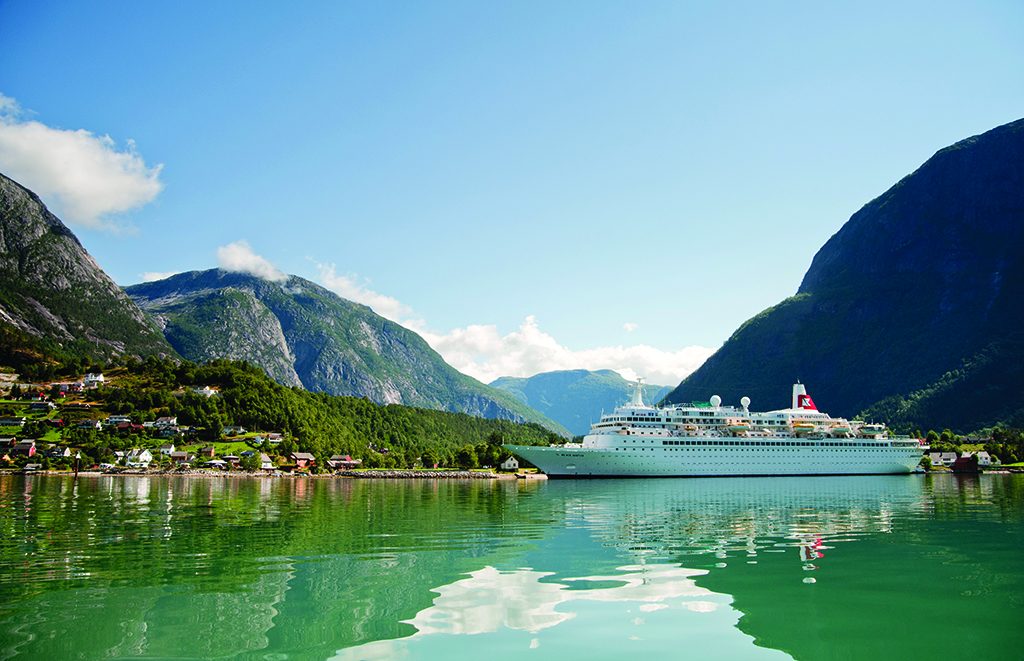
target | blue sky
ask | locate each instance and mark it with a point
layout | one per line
(530, 185)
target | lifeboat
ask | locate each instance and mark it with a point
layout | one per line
(739, 427)
(803, 427)
(872, 430)
(840, 430)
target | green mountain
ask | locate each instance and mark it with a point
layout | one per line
(575, 398)
(304, 335)
(55, 300)
(913, 312)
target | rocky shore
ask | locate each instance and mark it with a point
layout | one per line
(387, 474)
(420, 475)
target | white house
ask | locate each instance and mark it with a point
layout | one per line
(139, 458)
(167, 449)
(205, 391)
(984, 458)
(93, 380)
(947, 458)
(265, 463)
(510, 464)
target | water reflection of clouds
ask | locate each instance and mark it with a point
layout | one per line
(529, 601)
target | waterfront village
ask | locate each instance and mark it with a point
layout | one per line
(62, 426)
(39, 424)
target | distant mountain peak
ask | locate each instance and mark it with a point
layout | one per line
(575, 398)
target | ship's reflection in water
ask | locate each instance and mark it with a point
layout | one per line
(674, 532)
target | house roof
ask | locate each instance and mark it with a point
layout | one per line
(303, 455)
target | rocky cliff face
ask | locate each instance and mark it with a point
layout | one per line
(905, 309)
(575, 398)
(304, 335)
(55, 300)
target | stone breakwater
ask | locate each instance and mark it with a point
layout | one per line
(419, 475)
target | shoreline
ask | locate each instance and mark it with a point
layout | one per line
(382, 474)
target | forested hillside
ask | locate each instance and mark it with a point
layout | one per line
(383, 435)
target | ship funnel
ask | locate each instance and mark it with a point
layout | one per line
(798, 389)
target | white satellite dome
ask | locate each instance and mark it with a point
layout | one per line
(716, 401)
(745, 402)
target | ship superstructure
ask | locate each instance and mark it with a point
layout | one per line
(711, 439)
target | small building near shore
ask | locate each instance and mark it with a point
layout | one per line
(303, 460)
(138, 458)
(26, 448)
(344, 462)
(181, 458)
(510, 464)
(265, 463)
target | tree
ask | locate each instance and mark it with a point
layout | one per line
(466, 457)
(250, 462)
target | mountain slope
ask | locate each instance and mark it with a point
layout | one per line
(304, 335)
(913, 305)
(575, 398)
(55, 300)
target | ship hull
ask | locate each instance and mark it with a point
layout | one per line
(703, 461)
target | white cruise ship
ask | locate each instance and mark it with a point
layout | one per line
(708, 439)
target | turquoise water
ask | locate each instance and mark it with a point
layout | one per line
(808, 568)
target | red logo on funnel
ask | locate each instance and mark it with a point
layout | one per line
(805, 402)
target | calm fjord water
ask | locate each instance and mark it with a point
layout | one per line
(813, 568)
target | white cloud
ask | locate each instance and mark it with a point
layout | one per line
(82, 177)
(239, 257)
(629, 326)
(484, 353)
(348, 286)
(153, 276)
